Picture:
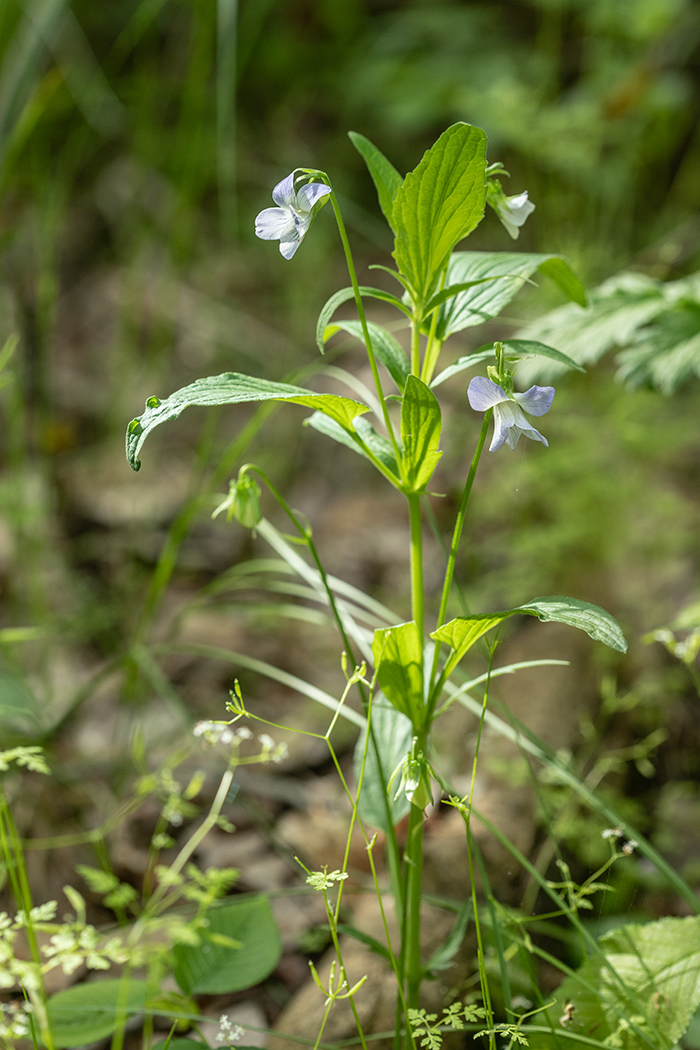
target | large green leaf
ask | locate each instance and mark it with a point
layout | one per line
(486, 300)
(392, 733)
(438, 204)
(384, 175)
(213, 967)
(398, 658)
(88, 1012)
(462, 632)
(232, 388)
(648, 975)
(420, 433)
(386, 348)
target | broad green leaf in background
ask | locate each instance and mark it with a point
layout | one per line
(486, 300)
(214, 967)
(87, 1012)
(438, 204)
(398, 658)
(386, 348)
(462, 632)
(392, 734)
(232, 388)
(524, 348)
(626, 310)
(384, 175)
(420, 434)
(344, 296)
(658, 964)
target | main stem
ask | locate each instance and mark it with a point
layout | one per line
(413, 854)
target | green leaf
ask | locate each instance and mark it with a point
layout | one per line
(367, 939)
(182, 1044)
(87, 1012)
(343, 296)
(420, 434)
(386, 348)
(232, 388)
(384, 175)
(390, 742)
(438, 204)
(379, 445)
(211, 968)
(398, 658)
(596, 622)
(559, 271)
(658, 964)
(482, 302)
(530, 348)
(443, 956)
(525, 348)
(462, 632)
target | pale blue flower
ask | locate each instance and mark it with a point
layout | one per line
(289, 221)
(512, 211)
(509, 420)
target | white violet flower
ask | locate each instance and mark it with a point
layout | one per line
(508, 416)
(289, 221)
(511, 211)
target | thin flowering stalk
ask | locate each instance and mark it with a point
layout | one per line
(363, 321)
(451, 561)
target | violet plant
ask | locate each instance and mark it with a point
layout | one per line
(397, 428)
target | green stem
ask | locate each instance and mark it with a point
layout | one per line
(365, 327)
(415, 347)
(454, 547)
(411, 947)
(417, 598)
(483, 977)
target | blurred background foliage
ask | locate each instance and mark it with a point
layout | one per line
(139, 138)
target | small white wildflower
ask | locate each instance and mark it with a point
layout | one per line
(630, 847)
(611, 833)
(266, 741)
(290, 220)
(244, 733)
(202, 728)
(280, 752)
(521, 1002)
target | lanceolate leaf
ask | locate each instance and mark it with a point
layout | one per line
(439, 203)
(398, 655)
(653, 980)
(386, 348)
(377, 444)
(384, 175)
(344, 296)
(524, 348)
(228, 389)
(482, 302)
(462, 632)
(420, 434)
